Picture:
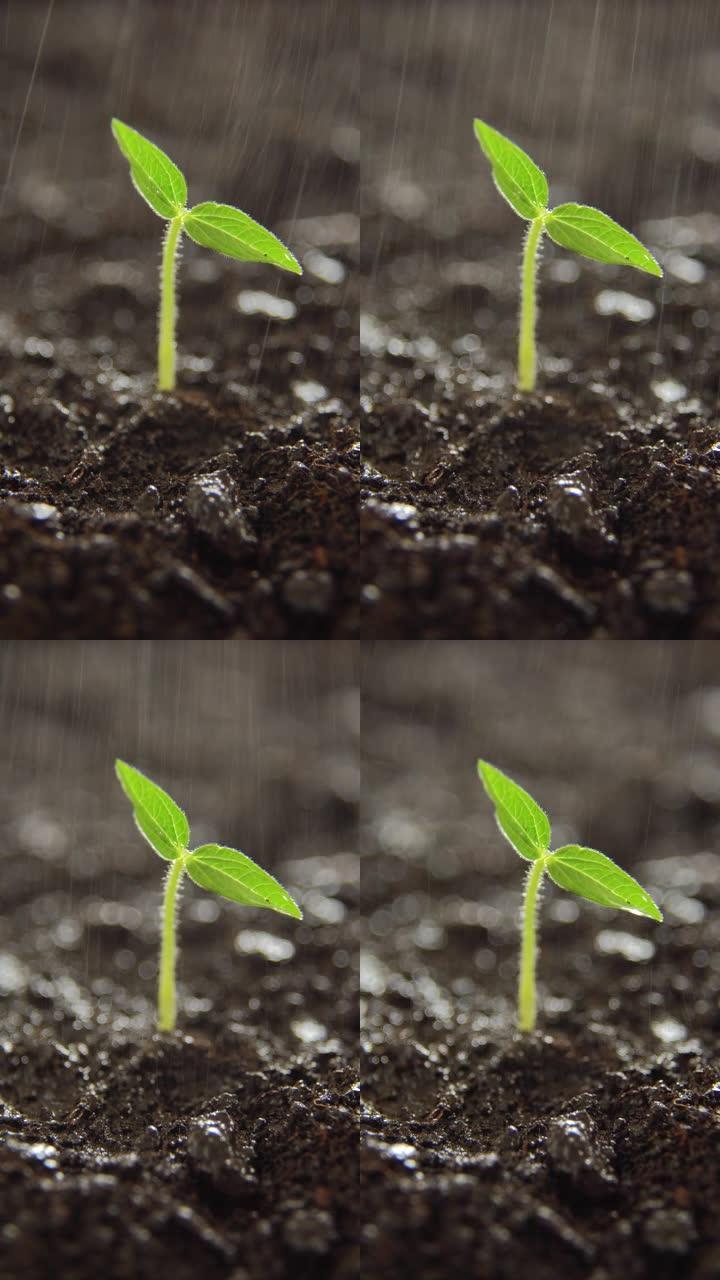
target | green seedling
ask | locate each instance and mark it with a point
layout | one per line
(586, 872)
(579, 227)
(224, 871)
(216, 226)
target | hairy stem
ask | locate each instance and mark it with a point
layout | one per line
(527, 357)
(168, 307)
(528, 955)
(167, 1002)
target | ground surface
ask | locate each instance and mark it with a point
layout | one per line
(228, 508)
(590, 1148)
(230, 1148)
(588, 509)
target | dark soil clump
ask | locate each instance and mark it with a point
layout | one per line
(203, 1151)
(559, 515)
(211, 512)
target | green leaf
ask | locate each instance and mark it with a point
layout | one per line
(157, 179)
(235, 876)
(591, 233)
(163, 824)
(519, 818)
(229, 231)
(596, 877)
(516, 177)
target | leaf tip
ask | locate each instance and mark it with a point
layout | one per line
(649, 264)
(482, 132)
(651, 912)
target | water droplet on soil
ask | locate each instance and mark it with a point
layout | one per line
(39, 349)
(37, 1152)
(149, 501)
(38, 512)
(612, 302)
(253, 302)
(256, 942)
(310, 392)
(689, 270)
(669, 390)
(614, 942)
(404, 1153)
(324, 268)
(13, 975)
(669, 1030)
(308, 1030)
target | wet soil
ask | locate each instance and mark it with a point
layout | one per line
(588, 1149)
(229, 1148)
(228, 507)
(588, 508)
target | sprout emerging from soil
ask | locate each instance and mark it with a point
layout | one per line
(586, 872)
(212, 866)
(216, 226)
(579, 227)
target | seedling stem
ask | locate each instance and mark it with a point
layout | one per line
(527, 358)
(168, 307)
(528, 956)
(167, 1000)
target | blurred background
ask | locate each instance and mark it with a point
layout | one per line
(620, 743)
(257, 743)
(619, 102)
(255, 102)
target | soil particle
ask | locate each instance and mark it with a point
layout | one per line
(575, 1152)
(309, 1231)
(228, 1165)
(211, 502)
(307, 592)
(670, 1231)
(668, 591)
